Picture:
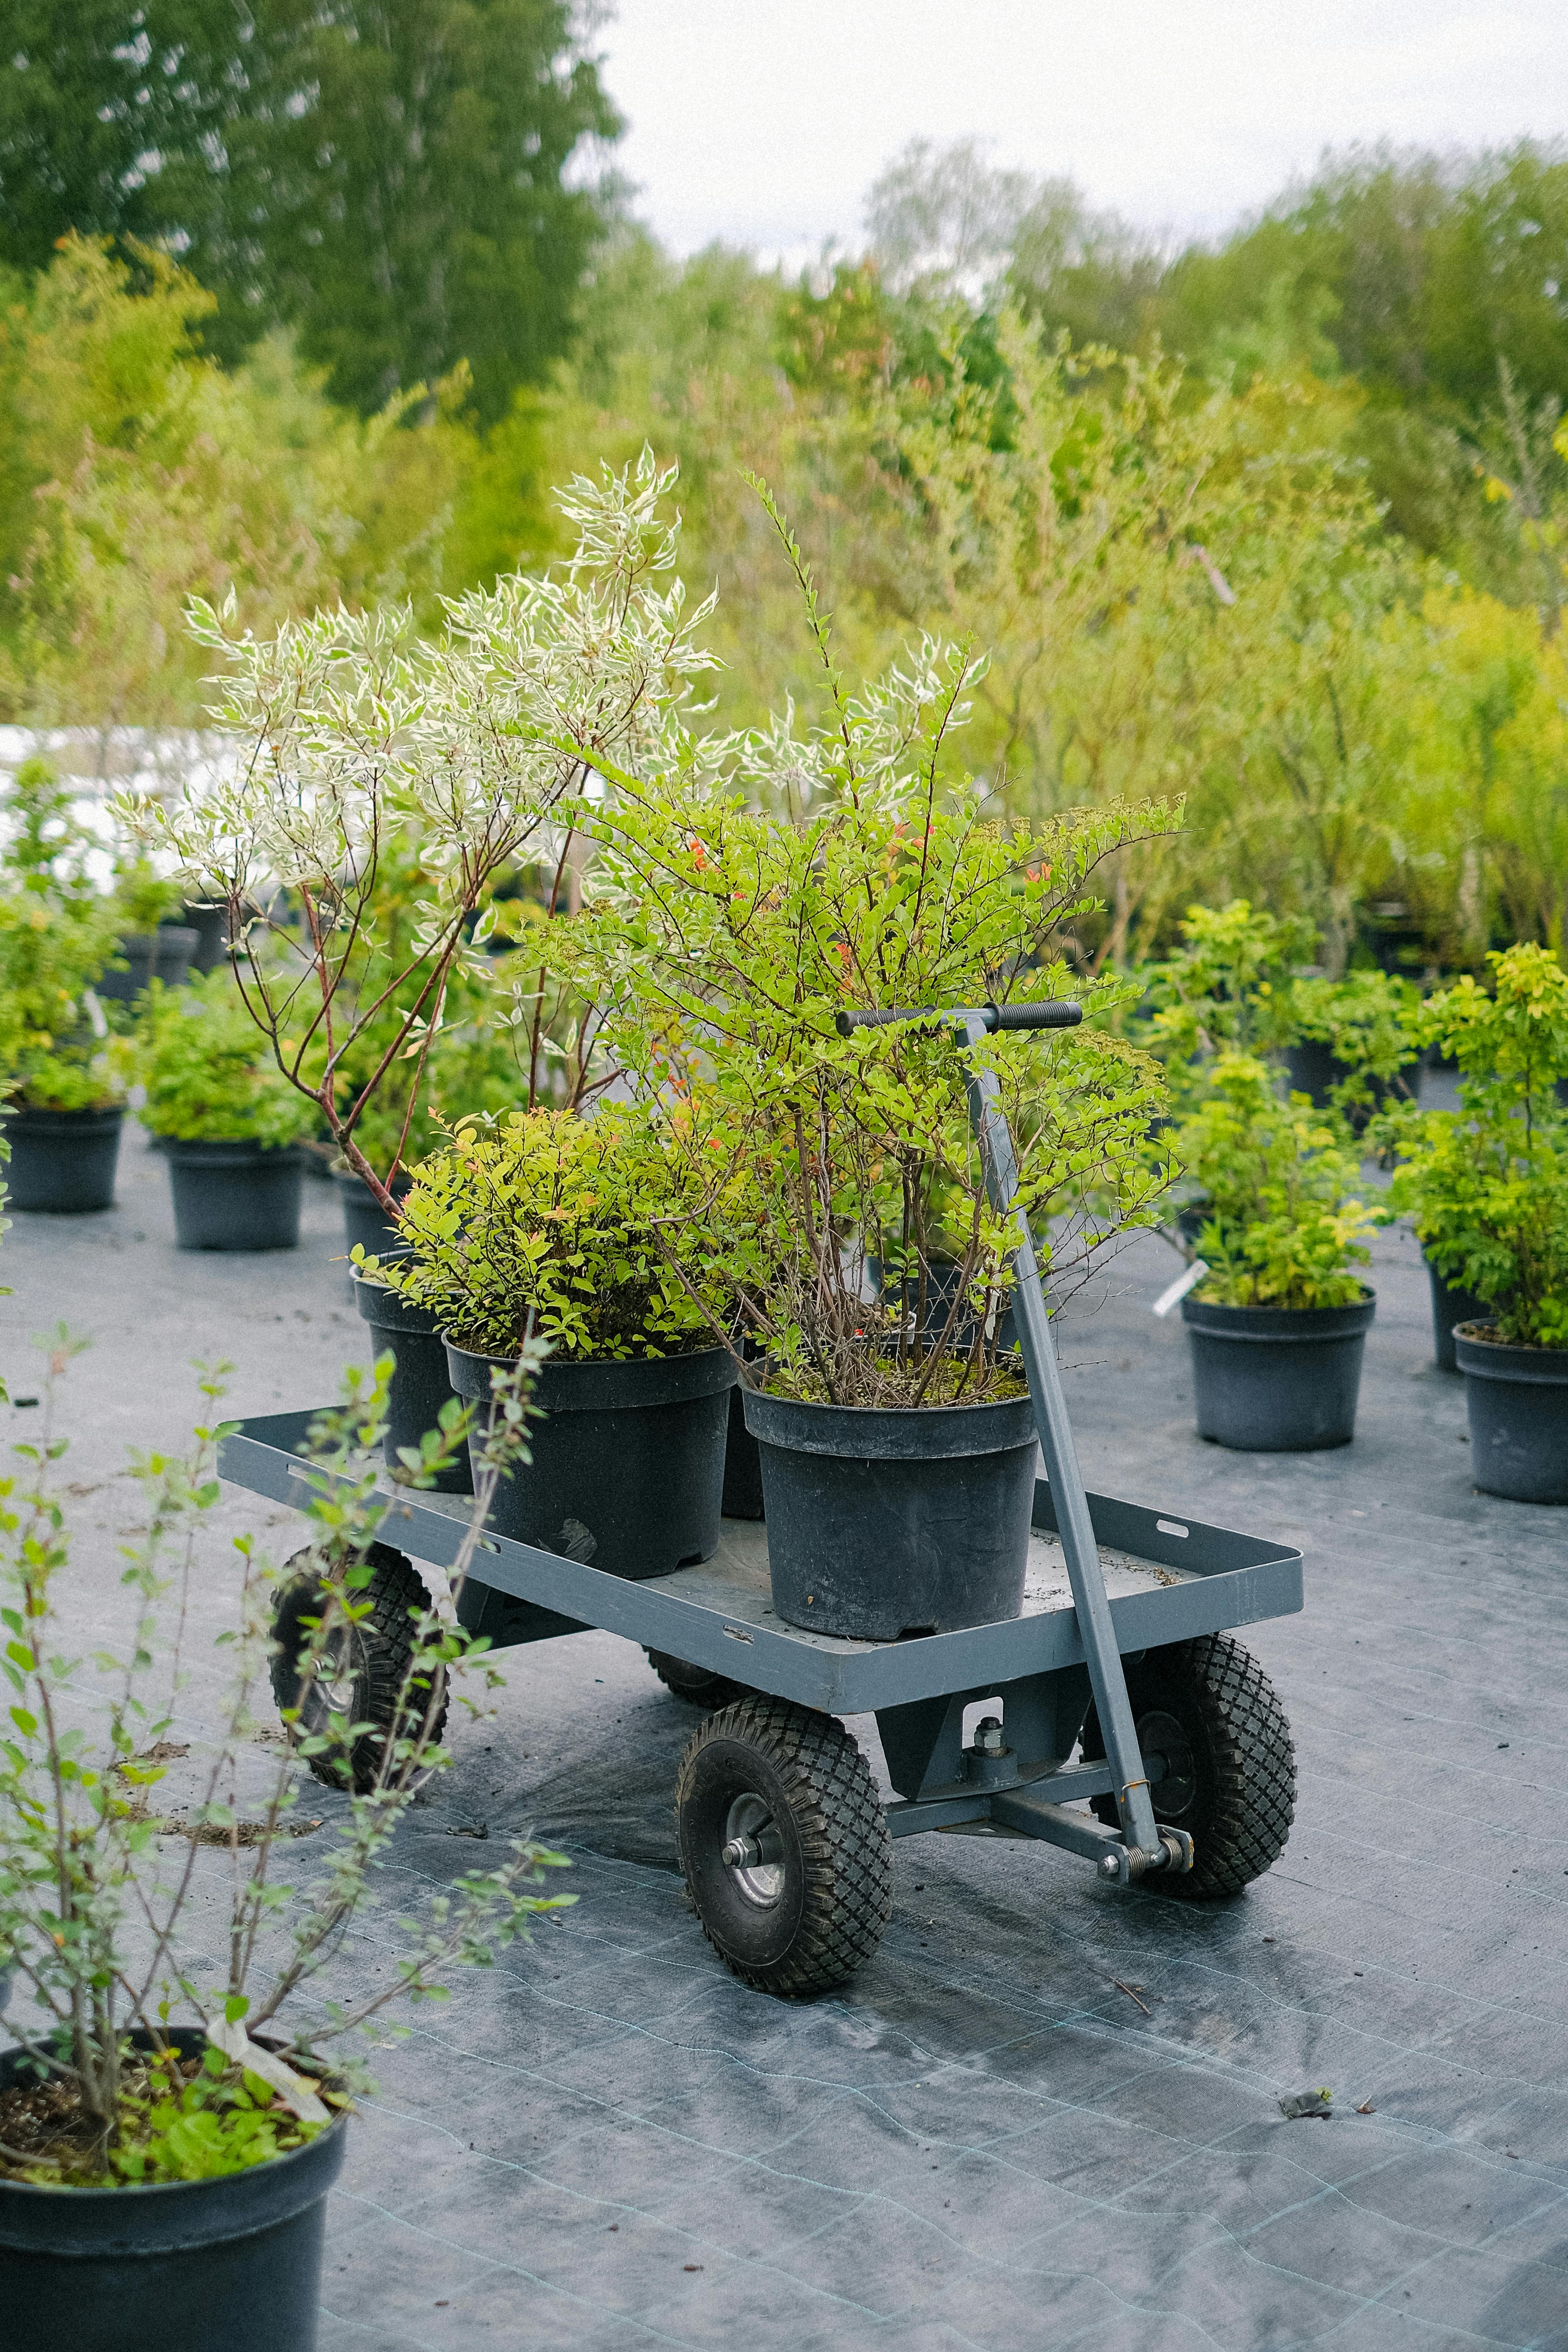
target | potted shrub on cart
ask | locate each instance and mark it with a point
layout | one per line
(897, 1439)
(1354, 1043)
(459, 757)
(170, 2126)
(1278, 1323)
(228, 1115)
(1487, 1187)
(56, 933)
(150, 943)
(549, 1226)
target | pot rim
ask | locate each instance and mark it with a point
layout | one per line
(38, 1112)
(1279, 1325)
(1538, 1367)
(890, 1432)
(200, 1146)
(600, 1382)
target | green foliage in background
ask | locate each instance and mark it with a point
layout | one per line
(208, 1074)
(1284, 1225)
(58, 933)
(1486, 1186)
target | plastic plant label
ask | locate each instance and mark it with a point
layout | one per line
(1180, 1287)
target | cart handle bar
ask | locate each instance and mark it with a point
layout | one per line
(1051, 1013)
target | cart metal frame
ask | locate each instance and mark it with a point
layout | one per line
(717, 1617)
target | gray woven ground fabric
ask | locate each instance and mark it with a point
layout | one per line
(983, 2143)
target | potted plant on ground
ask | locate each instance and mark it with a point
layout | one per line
(151, 943)
(589, 1235)
(1278, 1323)
(1487, 1188)
(1354, 1042)
(171, 2123)
(460, 757)
(897, 1439)
(229, 1118)
(56, 933)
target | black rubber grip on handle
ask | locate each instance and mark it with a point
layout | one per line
(1051, 1013)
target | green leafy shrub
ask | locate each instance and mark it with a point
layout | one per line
(1284, 1227)
(100, 1894)
(582, 1232)
(1486, 1186)
(207, 1070)
(855, 868)
(58, 933)
(1226, 989)
(1369, 1022)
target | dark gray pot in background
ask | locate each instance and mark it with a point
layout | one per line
(628, 1472)
(165, 954)
(62, 1162)
(885, 1523)
(235, 1194)
(365, 1220)
(1451, 1306)
(226, 2265)
(420, 1383)
(1311, 1069)
(210, 925)
(1277, 1380)
(1518, 1402)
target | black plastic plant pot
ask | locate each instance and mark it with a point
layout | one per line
(1518, 1400)
(1311, 1069)
(885, 1523)
(628, 1472)
(944, 1279)
(1451, 1306)
(420, 1383)
(227, 2265)
(210, 925)
(62, 1162)
(235, 1194)
(1278, 1380)
(165, 954)
(742, 1466)
(364, 1219)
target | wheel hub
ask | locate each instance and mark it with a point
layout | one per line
(753, 1852)
(1168, 1761)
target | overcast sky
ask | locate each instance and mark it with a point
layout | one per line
(762, 122)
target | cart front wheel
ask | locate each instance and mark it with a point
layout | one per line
(697, 1685)
(784, 1846)
(360, 1678)
(1227, 1763)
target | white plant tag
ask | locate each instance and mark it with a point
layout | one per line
(1180, 1287)
(292, 2089)
(95, 1013)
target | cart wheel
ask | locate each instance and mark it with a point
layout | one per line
(784, 1846)
(1211, 1712)
(363, 1672)
(694, 1682)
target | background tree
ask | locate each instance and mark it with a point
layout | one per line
(385, 174)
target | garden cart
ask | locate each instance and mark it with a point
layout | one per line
(1119, 1684)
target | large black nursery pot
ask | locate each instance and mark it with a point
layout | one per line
(1518, 1400)
(235, 1194)
(1451, 1304)
(1312, 1069)
(226, 2265)
(1278, 1380)
(944, 1280)
(165, 954)
(364, 1219)
(210, 925)
(420, 1383)
(887, 1522)
(62, 1162)
(628, 1472)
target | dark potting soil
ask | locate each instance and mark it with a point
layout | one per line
(47, 2133)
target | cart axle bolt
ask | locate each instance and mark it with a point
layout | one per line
(1109, 1867)
(988, 1737)
(743, 1854)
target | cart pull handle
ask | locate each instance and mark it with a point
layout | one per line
(1049, 1012)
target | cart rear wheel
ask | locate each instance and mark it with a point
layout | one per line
(362, 1676)
(784, 1846)
(1211, 1714)
(696, 1683)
